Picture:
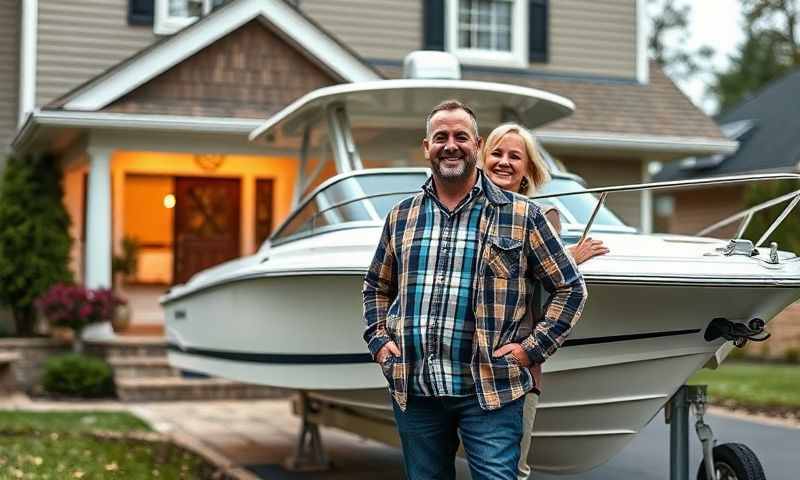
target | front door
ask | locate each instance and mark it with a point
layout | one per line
(206, 224)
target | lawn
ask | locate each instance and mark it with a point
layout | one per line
(753, 384)
(49, 445)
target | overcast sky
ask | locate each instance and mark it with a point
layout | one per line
(716, 23)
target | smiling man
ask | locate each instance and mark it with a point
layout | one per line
(444, 300)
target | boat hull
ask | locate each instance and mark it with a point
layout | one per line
(634, 346)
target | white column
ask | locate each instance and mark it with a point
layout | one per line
(97, 256)
(27, 59)
(646, 207)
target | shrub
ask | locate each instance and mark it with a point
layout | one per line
(78, 375)
(34, 235)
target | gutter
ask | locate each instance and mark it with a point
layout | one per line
(639, 143)
(27, 59)
(126, 121)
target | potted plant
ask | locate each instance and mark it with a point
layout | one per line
(73, 307)
(124, 266)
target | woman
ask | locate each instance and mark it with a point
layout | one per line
(512, 162)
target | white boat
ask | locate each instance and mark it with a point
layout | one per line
(291, 315)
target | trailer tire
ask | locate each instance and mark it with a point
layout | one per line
(734, 461)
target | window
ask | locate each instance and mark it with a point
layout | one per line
(173, 15)
(488, 32)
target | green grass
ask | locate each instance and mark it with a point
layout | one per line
(47, 445)
(753, 384)
(70, 421)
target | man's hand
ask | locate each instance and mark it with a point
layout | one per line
(389, 349)
(516, 350)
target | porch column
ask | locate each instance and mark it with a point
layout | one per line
(97, 254)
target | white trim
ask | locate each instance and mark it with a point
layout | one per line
(642, 32)
(27, 59)
(166, 24)
(146, 121)
(654, 143)
(646, 203)
(518, 57)
(190, 41)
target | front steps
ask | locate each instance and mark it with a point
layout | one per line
(142, 374)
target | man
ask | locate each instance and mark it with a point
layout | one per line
(444, 300)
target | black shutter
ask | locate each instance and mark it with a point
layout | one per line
(538, 13)
(140, 12)
(433, 22)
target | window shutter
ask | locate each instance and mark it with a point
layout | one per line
(433, 22)
(140, 12)
(538, 13)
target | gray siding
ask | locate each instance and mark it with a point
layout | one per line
(9, 77)
(79, 39)
(586, 36)
(375, 29)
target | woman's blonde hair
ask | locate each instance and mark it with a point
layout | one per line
(537, 173)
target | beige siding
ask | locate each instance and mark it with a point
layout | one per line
(603, 172)
(375, 29)
(697, 209)
(9, 68)
(586, 36)
(591, 37)
(79, 39)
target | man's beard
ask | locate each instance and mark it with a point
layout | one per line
(462, 171)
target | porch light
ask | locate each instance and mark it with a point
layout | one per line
(169, 201)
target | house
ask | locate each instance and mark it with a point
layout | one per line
(765, 125)
(148, 103)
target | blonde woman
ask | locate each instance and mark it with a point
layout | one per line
(512, 162)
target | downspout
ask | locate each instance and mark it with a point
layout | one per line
(27, 59)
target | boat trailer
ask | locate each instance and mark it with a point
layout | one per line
(728, 461)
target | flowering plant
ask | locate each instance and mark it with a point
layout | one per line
(75, 306)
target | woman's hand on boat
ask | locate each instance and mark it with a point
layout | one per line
(516, 350)
(587, 249)
(389, 349)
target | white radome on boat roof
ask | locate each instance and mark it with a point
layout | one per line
(405, 104)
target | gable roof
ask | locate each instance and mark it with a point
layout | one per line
(287, 21)
(768, 132)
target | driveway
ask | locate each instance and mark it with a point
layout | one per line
(260, 434)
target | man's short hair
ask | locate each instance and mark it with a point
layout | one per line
(449, 105)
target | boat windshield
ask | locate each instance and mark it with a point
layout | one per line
(365, 196)
(577, 209)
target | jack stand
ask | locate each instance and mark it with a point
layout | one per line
(310, 455)
(676, 414)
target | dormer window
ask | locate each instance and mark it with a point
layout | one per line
(488, 32)
(173, 15)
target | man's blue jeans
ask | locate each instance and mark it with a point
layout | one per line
(429, 433)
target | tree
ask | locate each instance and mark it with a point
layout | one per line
(34, 235)
(668, 42)
(787, 235)
(770, 50)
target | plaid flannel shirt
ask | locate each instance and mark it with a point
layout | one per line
(516, 246)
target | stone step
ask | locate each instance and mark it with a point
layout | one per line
(178, 388)
(125, 346)
(141, 367)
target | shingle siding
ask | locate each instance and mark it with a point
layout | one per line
(80, 39)
(9, 74)
(586, 37)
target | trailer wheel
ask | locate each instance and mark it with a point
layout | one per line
(734, 461)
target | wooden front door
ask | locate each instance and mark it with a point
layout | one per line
(206, 224)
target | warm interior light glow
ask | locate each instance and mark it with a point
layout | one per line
(169, 201)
